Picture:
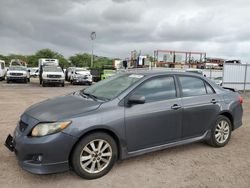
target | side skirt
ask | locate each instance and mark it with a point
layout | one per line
(205, 136)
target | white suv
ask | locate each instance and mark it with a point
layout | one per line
(81, 76)
(18, 73)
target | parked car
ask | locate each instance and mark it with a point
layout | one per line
(18, 73)
(217, 80)
(2, 70)
(52, 75)
(68, 73)
(123, 116)
(81, 76)
(107, 73)
(34, 72)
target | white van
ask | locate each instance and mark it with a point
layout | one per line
(2, 70)
(47, 62)
(52, 75)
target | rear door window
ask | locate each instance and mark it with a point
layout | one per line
(192, 86)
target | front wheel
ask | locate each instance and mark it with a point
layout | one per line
(94, 155)
(221, 132)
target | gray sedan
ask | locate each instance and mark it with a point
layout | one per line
(126, 115)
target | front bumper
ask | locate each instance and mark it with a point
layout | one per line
(56, 81)
(42, 155)
(81, 81)
(12, 78)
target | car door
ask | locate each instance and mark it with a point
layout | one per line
(158, 120)
(200, 106)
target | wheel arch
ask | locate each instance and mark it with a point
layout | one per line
(229, 116)
(103, 130)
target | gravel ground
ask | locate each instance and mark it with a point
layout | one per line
(194, 165)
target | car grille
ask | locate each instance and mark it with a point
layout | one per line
(22, 126)
(16, 74)
(54, 76)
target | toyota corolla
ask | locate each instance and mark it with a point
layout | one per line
(123, 116)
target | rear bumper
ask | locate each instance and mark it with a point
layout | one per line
(237, 124)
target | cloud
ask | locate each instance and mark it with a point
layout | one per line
(218, 27)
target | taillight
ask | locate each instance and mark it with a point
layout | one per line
(241, 99)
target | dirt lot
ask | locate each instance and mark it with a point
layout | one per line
(194, 165)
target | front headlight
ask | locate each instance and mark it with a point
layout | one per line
(43, 129)
(76, 76)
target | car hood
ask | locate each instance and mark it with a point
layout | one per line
(83, 73)
(59, 108)
(17, 71)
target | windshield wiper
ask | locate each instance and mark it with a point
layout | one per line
(93, 96)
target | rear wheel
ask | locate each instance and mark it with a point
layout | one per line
(94, 155)
(221, 132)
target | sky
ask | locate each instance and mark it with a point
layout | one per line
(218, 27)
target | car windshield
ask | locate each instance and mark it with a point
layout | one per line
(112, 87)
(52, 69)
(19, 68)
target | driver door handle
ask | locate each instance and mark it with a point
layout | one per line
(214, 101)
(176, 107)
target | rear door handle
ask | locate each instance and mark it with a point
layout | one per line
(214, 101)
(176, 107)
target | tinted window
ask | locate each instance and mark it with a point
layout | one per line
(192, 86)
(157, 89)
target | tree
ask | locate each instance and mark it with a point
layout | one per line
(47, 53)
(81, 60)
(102, 61)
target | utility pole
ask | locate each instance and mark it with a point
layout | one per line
(92, 37)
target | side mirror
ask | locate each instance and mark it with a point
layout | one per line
(29, 70)
(136, 99)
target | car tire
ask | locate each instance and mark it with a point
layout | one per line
(62, 84)
(43, 84)
(88, 161)
(221, 132)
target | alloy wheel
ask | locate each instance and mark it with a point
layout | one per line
(222, 131)
(96, 156)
